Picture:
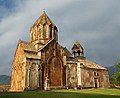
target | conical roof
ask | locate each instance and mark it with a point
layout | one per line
(43, 19)
(77, 45)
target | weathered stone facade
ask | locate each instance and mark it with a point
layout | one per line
(86, 74)
(42, 63)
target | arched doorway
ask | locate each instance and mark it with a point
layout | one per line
(55, 71)
(96, 79)
(96, 83)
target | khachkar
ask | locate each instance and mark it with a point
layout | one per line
(42, 63)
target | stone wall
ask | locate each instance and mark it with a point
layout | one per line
(4, 88)
(32, 74)
(18, 70)
(95, 78)
(87, 78)
(81, 77)
(71, 71)
(104, 79)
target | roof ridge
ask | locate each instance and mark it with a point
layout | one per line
(46, 44)
(94, 64)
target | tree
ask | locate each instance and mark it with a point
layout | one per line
(116, 75)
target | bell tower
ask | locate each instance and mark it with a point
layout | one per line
(43, 31)
(77, 50)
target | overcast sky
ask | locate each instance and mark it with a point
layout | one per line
(94, 23)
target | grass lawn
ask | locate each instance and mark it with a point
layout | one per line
(85, 93)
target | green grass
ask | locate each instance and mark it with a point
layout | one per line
(85, 93)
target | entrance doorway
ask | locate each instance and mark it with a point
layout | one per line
(96, 83)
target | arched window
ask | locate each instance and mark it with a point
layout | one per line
(55, 28)
(78, 52)
(50, 31)
(74, 53)
(96, 73)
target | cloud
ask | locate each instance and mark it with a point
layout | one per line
(95, 23)
(17, 24)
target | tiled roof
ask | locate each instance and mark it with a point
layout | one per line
(29, 50)
(89, 64)
(85, 62)
(46, 45)
(28, 46)
(66, 51)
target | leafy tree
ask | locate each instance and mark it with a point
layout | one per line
(116, 75)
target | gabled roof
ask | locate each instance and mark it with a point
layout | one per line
(89, 64)
(46, 44)
(64, 48)
(85, 63)
(77, 45)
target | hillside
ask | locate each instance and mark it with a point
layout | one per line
(4, 79)
(111, 70)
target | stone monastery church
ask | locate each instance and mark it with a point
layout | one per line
(42, 63)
